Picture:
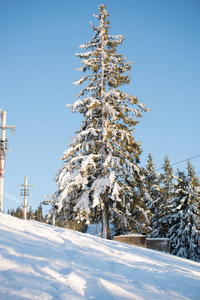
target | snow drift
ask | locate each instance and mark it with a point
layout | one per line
(39, 261)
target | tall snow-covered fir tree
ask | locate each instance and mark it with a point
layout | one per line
(100, 179)
(184, 231)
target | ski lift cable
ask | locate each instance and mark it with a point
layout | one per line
(183, 161)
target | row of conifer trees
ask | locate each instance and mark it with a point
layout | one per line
(174, 206)
(172, 200)
(32, 214)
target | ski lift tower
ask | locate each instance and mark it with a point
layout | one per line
(3, 148)
(49, 201)
(25, 193)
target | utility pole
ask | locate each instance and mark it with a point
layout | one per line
(3, 148)
(25, 193)
(49, 200)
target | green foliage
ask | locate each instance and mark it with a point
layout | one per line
(101, 179)
(30, 214)
(19, 213)
(174, 205)
(153, 181)
(38, 214)
(184, 230)
(160, 225)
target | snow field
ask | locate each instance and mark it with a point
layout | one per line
(39, 261)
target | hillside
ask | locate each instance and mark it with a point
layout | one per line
(39, 261)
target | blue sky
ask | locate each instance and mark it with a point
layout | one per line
(38, 42)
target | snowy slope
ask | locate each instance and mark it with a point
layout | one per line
(39, 261)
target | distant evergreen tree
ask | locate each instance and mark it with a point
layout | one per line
(177, 206)
(19, 213)
(167, 181)
(12, 212)
(184, 229)
(100, 179)
(30, 214)
(161, 225)
(38, 214)
(153, 187)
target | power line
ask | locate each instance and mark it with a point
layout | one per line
(185, 160)
(182, 161)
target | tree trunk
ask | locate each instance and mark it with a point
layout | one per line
(105, 231)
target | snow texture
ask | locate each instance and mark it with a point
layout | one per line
(39, 261)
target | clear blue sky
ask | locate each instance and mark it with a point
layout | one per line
(38, 42)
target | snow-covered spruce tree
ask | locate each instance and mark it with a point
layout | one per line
(192, 216)
(177, 208)
(100, 179)
(160, 224)
(184, 231)
(154, 190)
